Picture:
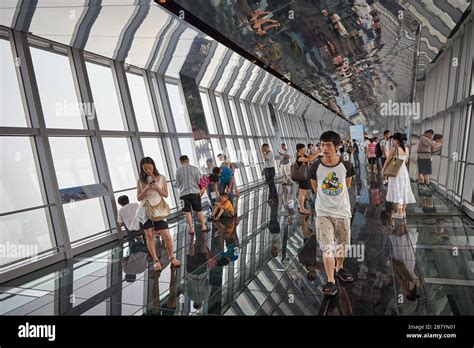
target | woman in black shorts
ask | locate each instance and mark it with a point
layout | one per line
(153, 187)
(304, 186)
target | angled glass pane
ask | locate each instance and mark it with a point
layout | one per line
(141, 104)
(122, 168)
(146, 36)
(105, 97)
(58, 96)
(235, 116)
(253, 155)
(253, 115)
(30, 232)
(20, 184)
(211, 124)
(246, 117)
(181, 52)
(230, 150)
(106, 32)
(187, 148)
(162, 119)
(222, 115)
(79, 227)
(12, 113)
(216, 148)
(153, 147)
(177, 108)
(57, 20)
(172, 164)
(73, 161)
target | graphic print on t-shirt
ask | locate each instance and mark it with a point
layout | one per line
(331, 185)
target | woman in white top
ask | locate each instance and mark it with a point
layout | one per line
(399, 187)
(152, 187)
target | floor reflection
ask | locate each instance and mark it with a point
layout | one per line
(267, 261)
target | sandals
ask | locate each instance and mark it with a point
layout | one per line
(304, 212)
(344, 275)
(157, 266)
(329, 289)
(175, 262)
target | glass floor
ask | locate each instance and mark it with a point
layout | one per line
(267, 262)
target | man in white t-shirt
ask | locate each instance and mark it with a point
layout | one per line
(127, 214)
(330, 179)
(285, 164)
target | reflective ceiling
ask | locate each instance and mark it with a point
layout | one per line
(350, 54)
(143, 34)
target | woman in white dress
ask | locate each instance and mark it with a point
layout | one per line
(399, 188)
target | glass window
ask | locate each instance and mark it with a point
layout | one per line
(216, 148)
(141, 104)
(235, 116)
(211, 125)
(12, 113)
(222, 115)
(29, 230)
(95, 222)
(246, 117)
(177, 109)
(119, 159)
(255, 117)
(245, 159)
(105, 97)
(172, 162)
(20, 185)
(72, 157)
(187, 148)
(152, 147)
(163, 124)
(58, 96)
(230, 150)
(253, 156)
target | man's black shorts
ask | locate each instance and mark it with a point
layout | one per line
(193, 200)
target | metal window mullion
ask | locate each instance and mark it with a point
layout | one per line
(43, 148)
(215, 111)
(163, 94)
(81, 78)
(228, 112)
(152, 100)
(464, 107)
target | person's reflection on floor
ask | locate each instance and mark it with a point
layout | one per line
(196, 282)
(274, 228)
(227, 228)
(427, 203)
(154, 306)
(307, 255)
(136, 262)
(403, 261)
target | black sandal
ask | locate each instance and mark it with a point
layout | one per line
(344, 275)
(329, 289)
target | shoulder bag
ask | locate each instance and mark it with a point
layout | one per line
(395, 165)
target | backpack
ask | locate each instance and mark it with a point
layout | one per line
(378, 150)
